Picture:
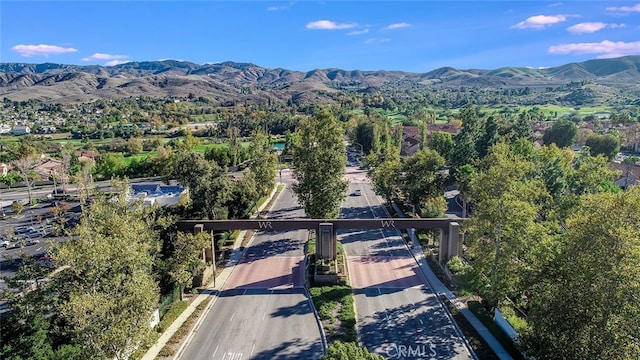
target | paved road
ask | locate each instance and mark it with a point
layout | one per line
(263, 312)
(398, 316)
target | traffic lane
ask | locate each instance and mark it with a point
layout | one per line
(281, 243)
(258, 324)
(394, 319)
(372, 243)
(286, 206)
(384, 271)
(276, 272)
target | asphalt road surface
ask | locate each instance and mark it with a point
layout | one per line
(262, 311)
(398, 315)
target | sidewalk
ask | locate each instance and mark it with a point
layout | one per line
(211, 290)
(440, 289)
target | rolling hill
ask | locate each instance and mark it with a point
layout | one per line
(230, 81)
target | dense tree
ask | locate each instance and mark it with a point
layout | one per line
(187, 258)
(189, 168)
(211, 192)
(385, 176)
(423, 177)
(563, 133)
(591, 175)
(465, 151)
(522, 127)
(607, 145)
(243, 197)
(488, 136)
(319, 160)
(110, 165)
(442, 142)
(134, 145)
(507, 199)
(233, 134)
(263, 162)
(107, 289)
(586, 304)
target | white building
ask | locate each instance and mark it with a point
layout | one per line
(21, 130)
(156, 194)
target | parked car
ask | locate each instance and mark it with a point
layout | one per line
(4, 243)
(47, 261)
(23, 229)
(358, 192)
(32, 234)
(13, 245)
(30, 242)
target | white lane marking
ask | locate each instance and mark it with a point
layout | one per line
(232, 315)
(253, 349)
(263, 315)
(214, 353)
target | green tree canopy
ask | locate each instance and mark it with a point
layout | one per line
(585, 305)
(607, 145)
(107, 289)
(319, 160)
(563, 133)
(442, 142)
(264, 162)
(507, 198)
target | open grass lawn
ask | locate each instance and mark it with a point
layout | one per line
(602, 111)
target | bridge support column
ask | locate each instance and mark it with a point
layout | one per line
(208, 255)
(443, 249)
(326, 247)
(455, 243)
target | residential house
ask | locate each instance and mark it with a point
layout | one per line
(629, 174)
(156, 194)
(21, 130)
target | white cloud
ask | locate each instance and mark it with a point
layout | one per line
(359, 32)
(625, 9)
(41, 50)
(539, 22)
(397, 26)
(603, 49)
(591, 27)
(376, 40)
(101, 56)
(586, 27)
(328, 25)
(116, 62)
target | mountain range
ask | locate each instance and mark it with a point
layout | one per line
(232, 82)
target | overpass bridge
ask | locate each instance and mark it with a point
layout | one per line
(450, 236)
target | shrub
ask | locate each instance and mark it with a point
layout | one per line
(172, 314)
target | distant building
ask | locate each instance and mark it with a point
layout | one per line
(21, 130)
(629, 174)
(156, 194)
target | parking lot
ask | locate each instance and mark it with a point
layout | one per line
(32, 233)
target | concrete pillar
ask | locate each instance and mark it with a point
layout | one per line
(326, 242)
(455, 245)
(443, 250)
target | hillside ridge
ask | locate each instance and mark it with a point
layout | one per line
(231, 81)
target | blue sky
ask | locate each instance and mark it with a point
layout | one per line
(416, 36)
